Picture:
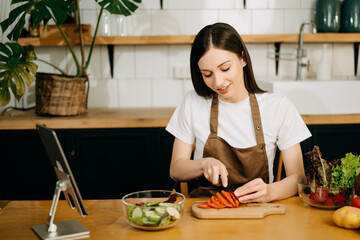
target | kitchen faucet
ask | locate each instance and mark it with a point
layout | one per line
(300, 50)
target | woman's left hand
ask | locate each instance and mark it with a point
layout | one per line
(253, 191)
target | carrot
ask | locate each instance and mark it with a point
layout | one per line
(214, 203)
(236, 200)
(204, 205)
(223, 200)
(229, 198)
(217, 201)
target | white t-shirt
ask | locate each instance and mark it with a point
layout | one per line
(282, 123)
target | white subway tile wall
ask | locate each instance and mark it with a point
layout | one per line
(135, 93)
(168, 22)
(284, 4)
(237, 19)
(255, 4)
(340, 54)
(144, 75)
(268, 21)
(293, 18)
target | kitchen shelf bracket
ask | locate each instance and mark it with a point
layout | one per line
(356, 57)
(110, 48)
(277, 52)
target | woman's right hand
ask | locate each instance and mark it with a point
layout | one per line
(213, 169)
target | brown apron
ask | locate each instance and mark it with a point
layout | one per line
(242, 164)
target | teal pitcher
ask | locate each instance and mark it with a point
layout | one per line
(327, 15)
(350, 16)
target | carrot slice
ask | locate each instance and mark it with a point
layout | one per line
(236, 200)
(216, 200)
(228, 197)
(204, 205)
(213, 205)
(223, 200)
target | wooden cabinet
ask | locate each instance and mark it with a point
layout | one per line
(108, 163)
(25, 171)
(335, 140)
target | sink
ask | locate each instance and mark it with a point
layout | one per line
(313, 97)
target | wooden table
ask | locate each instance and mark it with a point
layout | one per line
(106, 221)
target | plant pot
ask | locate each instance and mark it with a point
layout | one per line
(327, 15)
(61, 95)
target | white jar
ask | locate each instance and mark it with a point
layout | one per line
(324, 68)
(105, 24)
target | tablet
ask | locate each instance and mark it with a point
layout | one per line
(60, 165)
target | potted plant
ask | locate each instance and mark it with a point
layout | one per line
(56, 94)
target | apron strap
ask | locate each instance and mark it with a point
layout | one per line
(255, 111)
(214, 115)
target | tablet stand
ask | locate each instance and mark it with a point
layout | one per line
(65, 229)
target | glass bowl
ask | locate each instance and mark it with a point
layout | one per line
(322, 197)
(148, 210)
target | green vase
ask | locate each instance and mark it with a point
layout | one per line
(327, 15)
(350, 16)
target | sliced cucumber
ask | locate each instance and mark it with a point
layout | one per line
(166, 204)
(138, 221)
(152, 216)
(173, 212)
(137, 213)
(160, 211)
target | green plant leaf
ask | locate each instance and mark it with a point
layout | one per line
(20, 12)
(4, 96)
(40, 11)
(119, 7)
(17, 70)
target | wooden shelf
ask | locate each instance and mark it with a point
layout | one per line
(188, 39)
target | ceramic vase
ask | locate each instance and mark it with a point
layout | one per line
(327, 15)
(350, 16)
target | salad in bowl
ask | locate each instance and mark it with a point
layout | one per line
(329, 184)
(153, 209)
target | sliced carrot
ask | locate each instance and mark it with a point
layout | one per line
(204, 205)
(216, 200)
(223, 200)
(236, 200)
(212, 204)
(229, 198)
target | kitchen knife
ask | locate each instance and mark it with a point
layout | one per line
(222, 186)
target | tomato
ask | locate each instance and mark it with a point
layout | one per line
(356, 202)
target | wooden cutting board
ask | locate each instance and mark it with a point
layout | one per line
(251, 210)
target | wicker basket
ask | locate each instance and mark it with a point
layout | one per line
(61, 95)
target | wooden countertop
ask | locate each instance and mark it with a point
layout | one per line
(94, 118)
(127, 118)
(106, 221)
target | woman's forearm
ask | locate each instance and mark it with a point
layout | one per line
(285, 188)
(186, 169)
(293, 163)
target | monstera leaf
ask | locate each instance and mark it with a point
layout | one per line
(17, 70)
(40, 11)
(120, 7)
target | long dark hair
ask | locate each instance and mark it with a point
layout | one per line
(222, 36)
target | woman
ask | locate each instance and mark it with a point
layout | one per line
(235, 126)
